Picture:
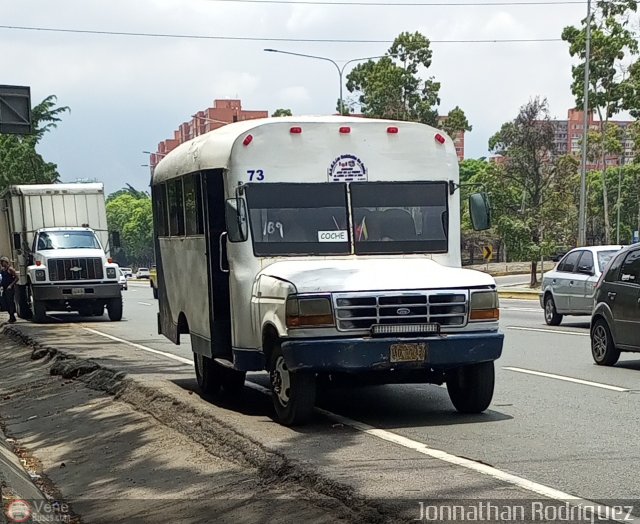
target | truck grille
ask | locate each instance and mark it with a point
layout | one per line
(360, 311)
(75, 269)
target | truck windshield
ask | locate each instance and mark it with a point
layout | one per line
(399, 217)
(298, 219)
(388, 218)
(67, 240)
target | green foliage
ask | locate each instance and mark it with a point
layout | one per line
(282, 112)
(130, 214)
(391, 86)
(533, 198)
(455, 122)
(20, 163)
(128, 190)
(612, 45)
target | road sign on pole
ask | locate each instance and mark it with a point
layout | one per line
(15, 110)
(487, 253)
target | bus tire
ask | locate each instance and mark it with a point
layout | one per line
(114, 308)
(207, 374)
(471, 387)
(293, 393)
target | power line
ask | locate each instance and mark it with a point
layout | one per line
(406, 4)
(267, 39)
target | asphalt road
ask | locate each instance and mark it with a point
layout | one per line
(556, 418)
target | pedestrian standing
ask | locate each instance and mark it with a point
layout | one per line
(8, 282)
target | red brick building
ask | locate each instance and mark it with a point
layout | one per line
(223, 112)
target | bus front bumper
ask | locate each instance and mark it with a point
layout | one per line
(76, 291)
(370, 354)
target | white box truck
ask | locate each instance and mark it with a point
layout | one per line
(57, 238)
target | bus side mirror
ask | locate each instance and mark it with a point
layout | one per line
(115, 239)
(479, 211)
(236, 218)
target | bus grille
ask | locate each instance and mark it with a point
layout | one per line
(75, 269)
(360, 311)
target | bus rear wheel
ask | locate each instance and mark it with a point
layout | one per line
(212, 377)
(293, 392)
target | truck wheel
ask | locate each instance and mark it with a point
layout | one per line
(22, 304)
(471, 387)
(98, 310)
(39, 311)
(155, 292)
(293, 393)
(551, 316)
(603, 349)
(114, 308)
(207, 374)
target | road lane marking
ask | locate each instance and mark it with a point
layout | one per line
(484, 469)
(567, 379)
(145, 303)
(139, 346)
(542, 330)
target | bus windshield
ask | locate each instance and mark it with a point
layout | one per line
(297, 219)
(312, 219)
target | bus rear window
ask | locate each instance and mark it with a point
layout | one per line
(298, 219)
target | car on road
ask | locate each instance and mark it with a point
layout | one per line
(615, 323)
(123, 280)
(127, 271)
(143, 272)
(569, 288)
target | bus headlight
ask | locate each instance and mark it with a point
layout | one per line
(41, 276)
(111, 272)
(484, 306)
(309, 312)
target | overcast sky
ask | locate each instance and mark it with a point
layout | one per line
(127, 93)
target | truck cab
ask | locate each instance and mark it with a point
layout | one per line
(69, 270)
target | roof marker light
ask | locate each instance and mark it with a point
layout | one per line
(439, 138)
(295, 130)
(392, 130)
(38, 263)
(345, 130)
(247, 140)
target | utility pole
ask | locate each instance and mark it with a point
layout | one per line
(582, 214)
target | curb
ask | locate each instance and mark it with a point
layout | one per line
(517, 294)
(219, 438)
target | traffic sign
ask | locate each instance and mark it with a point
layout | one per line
(487, 252)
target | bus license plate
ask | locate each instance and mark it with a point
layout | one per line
(414, 352)
(77, 291)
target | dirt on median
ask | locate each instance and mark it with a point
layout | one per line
(116, 452)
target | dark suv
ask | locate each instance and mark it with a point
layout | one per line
(615, 323)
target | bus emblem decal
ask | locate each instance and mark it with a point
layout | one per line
(347, 168)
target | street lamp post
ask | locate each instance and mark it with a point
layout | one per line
(582, 213)
(339, 68)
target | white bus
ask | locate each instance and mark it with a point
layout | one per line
(323, 246)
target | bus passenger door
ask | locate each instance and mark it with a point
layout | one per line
(215, 233)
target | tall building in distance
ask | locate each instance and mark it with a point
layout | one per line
(222, 113)
(568, 137)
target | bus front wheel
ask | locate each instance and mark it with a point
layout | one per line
(293, 392)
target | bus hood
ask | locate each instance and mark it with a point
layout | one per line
(324, 276)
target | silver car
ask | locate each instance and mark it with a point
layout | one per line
(569, 288)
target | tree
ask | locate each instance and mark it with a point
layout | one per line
(128, 190)
(391, 86)
(612, 43)
(534, 205)
(130, 214)
(455, 122)
(20, 163)
(282, 112)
